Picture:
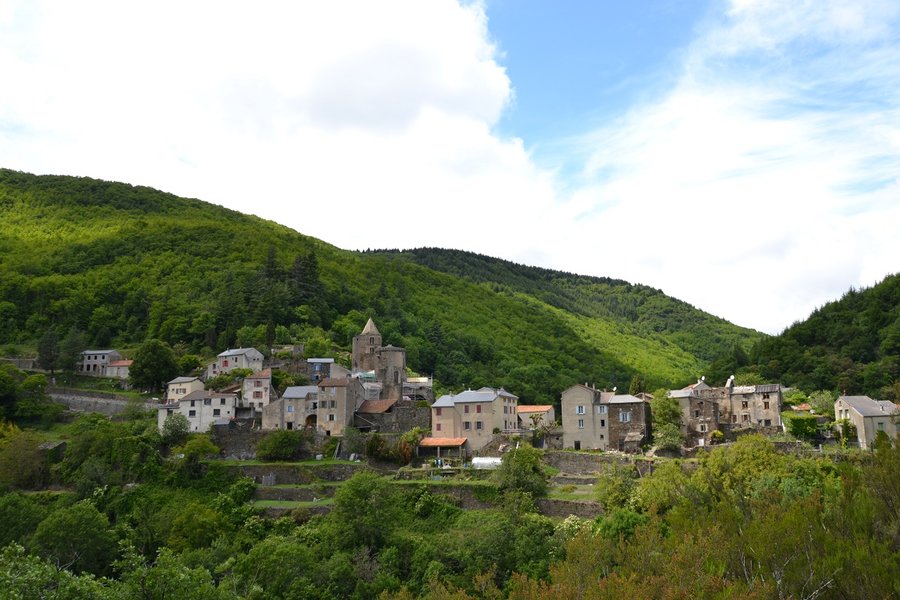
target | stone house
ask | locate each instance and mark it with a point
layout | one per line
(118, 369)
(595, 419)
(736, 407)
(257, 390)
(94, 362)
(868, 417)
(474, 415)
(239, 358)
(327, 407)
(318, 369)
(297, 408)
(699, 416)
(525, 415)
(202, 409)
(180, 387)
(338, 399)
(391, 416)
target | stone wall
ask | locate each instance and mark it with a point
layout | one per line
(575, 463)
(237, 441)
(400, 420)
(288, 474)
(563, 508)
(98, 402)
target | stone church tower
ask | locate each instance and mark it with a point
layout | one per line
(365, 345)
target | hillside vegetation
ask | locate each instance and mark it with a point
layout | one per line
(849, 346)
(123, 264)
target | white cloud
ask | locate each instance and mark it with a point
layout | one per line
(364, 124)
(765, 183)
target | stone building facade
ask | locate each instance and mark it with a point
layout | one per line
(474, 415)
(729, 408)
(595, 419)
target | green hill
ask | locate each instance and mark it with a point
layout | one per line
(851, 345)
(124, 264)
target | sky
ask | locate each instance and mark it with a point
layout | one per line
(742, 155)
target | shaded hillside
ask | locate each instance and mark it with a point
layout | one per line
(640, 309)
(851, 345)
(121, 264)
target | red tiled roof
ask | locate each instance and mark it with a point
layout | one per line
(261, 374)
(375, 406)
(433, 442)
(526, 408)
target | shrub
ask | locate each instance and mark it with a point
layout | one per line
(281, 444)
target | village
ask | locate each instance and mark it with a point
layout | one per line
(376, 395)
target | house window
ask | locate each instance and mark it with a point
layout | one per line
(766, 405)
(579, 410)
(207, 401)
(466, 425)
(332, 391)
(880, 425)
(192, 403)
(437, 411)
(504, 409)
(734, 418)
(767, 422)
(333, 404)
(601, 409)
(744, 404)
(437, 427)
(702, 427)
(331, 417)
(222, 401)
(696, 414)
(224, 363)
(766, 396)
(625, 416)
(257, 383)
(192, 413)
(745, 418)
(478, 408)
(580, 423)
(602, 422)
(479, 425)
(257, 395)
(466, 409)
(372, 340)
(217, 412)
(290, 408)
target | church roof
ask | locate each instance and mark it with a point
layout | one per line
(370, 328)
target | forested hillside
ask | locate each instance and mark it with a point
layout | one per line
(121, 264)
(851, 345)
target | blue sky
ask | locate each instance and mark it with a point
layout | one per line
(741, 155)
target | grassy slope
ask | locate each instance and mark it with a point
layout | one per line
(93, 254)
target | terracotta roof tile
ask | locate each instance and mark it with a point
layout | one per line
(433, 442)
(527, 408)
(375, 406)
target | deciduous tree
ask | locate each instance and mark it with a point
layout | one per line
(154, 364)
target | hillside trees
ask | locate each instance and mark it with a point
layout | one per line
(48, 351)
(667, 421)
(154, 365)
